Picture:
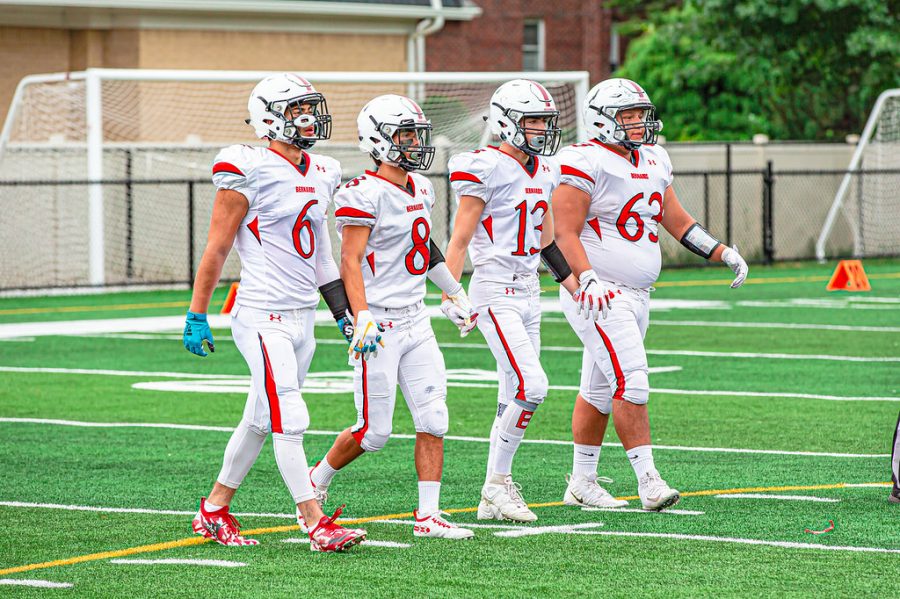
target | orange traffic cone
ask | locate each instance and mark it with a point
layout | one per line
(229, 299)
(849, 276)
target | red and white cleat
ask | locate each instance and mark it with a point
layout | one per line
(329, 537)
(436, 526)
(220, 526)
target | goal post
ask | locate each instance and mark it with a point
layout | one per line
(868, 199)
(99, 129)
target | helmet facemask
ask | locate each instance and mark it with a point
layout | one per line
(544, 142)
(317, 117)
(404, 153)
(649, 123)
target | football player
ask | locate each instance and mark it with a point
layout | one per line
(271, 204)
(503, 219)
(615, 191)
(384, 220)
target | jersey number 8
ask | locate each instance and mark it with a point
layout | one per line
(420, 235)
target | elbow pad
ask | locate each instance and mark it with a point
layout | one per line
(555, 262)
(435, 256)
(336, 297)
(698, 240)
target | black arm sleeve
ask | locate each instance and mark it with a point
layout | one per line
(336, 298)
(435, 255)
(555, 261)
(698, 240)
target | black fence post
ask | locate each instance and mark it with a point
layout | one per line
(706, 222)
(728, 194)
(129, 218)
(190, 191)
(768, 240)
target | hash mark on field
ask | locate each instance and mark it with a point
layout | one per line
(633, 510)
(780, 497)
(44, 584)
(367, 542)
(218, 563)
(228, 429)
(542, 530)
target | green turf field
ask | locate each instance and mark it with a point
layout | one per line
(775, 390)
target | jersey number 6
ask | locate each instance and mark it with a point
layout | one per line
(300, 225)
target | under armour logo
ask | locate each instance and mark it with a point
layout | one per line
(653, 162)
(546, 168)
(387, 325)
(275, 317)
(321, 168)
(510, 291)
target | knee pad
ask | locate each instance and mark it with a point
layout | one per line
(294, 414)
(374, 441)
(536, 387)
(600, 399)
(637, 387)
(433, 418)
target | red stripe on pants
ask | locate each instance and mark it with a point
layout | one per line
(521, 394)
(358, 435)
(617, 368)
(271, 391)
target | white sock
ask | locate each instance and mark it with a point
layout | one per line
(322, 474)
(211, 507)
(429, 497)
(585, 459)
(510, 434)
(641, 458)
(240, 454)
(492, 448)
(291, 460)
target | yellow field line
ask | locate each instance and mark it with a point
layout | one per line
(112, 308)
(276, 529)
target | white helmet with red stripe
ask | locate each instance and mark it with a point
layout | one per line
(512, 103)
(606, 100)
(393, 129)
(288, 108)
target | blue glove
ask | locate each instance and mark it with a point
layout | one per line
(345, 325)
(196, 329)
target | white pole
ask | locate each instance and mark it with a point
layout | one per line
(845, 183)
(94, 117)
(582, 87)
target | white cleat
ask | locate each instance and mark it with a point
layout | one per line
(502, 501)
(655, 494)
(436, 527)
(321, 497)
(585, 491)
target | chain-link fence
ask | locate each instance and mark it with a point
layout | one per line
(155, 229)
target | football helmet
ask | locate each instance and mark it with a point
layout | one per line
(512, 103)
(275, 98)
(382, 118)
(604, 102)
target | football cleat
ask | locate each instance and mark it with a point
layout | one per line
(585, 491)
(435, 526)
(655, 494)
(220, 526)
(330, 537)
(502, 501)
(321, 497)
(894, 497)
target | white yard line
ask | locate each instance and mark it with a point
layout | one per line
(631, 510)
(367, 543)
(43, 584)
(491, 385)
(777, 497)
(226, 429)
(217, 563)
(737, 540)
(773, 325)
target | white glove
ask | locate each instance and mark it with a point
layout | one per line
(366, 338)
(591, 296)
(733, 259)
(459, 310)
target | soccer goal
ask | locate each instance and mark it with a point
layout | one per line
(869, 194)
(104, 174)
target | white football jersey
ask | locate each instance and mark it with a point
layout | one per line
(278, 238)
(508, 241)
(621, 232)
(397, 254)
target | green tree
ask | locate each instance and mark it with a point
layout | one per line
(795, 69)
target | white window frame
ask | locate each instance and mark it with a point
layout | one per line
(541, 44)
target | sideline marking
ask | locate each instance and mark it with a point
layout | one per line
(110, 308)
(228, 429)
(179, 562)
(197, 540)
(773, 325)
(44, 584)
(779, 497)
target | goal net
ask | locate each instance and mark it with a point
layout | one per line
(105, 174)
(869, 194)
